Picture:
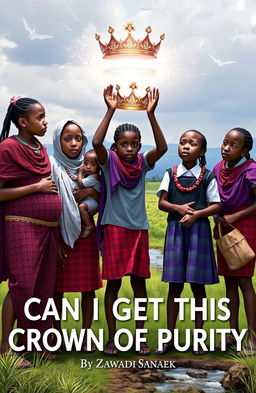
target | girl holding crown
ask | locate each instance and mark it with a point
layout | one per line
(123, 217)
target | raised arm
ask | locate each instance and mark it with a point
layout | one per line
(161, 145)
(99, 136)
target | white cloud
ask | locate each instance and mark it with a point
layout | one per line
(191, 85)
(5, 43)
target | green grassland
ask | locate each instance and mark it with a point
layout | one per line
(68, 364)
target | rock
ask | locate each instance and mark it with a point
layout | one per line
(234, 378)
(190, 389)
(133, 377)
(152, 377)
(197, 373)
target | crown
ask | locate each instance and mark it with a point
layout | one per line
(132, 102)
(129, 46)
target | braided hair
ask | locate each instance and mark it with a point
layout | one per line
(125, 127)
(15, 110)
(248, 141)
(202, 158)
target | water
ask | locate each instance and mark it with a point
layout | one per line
(156, 257)
(210, 383)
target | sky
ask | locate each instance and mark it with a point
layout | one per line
(205, 70)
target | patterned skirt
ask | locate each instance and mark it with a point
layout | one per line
(125, 251)
(247, 226)
(82, 271)
(188, 254)
(31, 239)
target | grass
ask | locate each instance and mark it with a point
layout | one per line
(65, 375)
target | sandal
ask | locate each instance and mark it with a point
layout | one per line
(85, 350)
(17, 360)
(199, 352)
(144, 350)
(247, 351)
(110, 348)
(167, 347)
(230, 342)
(51, 356)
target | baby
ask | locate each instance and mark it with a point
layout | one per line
(90, 169)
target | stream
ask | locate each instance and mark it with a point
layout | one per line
(210, 383)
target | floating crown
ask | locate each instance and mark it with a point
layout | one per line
(129, 46)
(132, 102)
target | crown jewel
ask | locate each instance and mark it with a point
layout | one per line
(129, 46)
(132, 102)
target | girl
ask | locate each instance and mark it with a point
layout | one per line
(124, 221)
(189, 194)
(78, 268)
(90, 169)
(236, 177)
(31, 210)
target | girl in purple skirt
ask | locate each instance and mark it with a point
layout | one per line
(189, 193)
(236, 177)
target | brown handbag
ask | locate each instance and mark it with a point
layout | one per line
(234, 247)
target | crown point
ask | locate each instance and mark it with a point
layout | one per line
(129, 27)
(162, 36)
(133, 85)
(129, 46)
(117, 87)
(148, 90)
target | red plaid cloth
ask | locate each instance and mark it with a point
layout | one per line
(82, 271)
(247, 226)
(125, 251)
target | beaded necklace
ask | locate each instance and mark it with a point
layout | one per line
(72, 177)
(188, 189)
(36, 149)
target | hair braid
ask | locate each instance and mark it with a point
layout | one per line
(14, 112)
(125, 127)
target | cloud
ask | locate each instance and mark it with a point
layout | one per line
(67, 73)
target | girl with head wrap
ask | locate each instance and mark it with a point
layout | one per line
(78, 267)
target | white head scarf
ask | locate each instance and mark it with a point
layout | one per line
(70, 221)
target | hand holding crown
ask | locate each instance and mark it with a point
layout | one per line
(110, 97)
(153, 97)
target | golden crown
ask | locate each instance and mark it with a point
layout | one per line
(132, 102)
(129, 46)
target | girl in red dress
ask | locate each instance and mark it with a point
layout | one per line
(30, 208)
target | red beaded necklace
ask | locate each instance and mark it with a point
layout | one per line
(72, 177)
(187, 189)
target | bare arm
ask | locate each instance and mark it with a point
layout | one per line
(45, 185)
(81, 193)
(190, 218)
(161, 146)
(169, 207)
(250, 210)
(99, 136)
(80, 176)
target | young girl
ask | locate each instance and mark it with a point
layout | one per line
(189, 194)
(125, 225)
(90, 169)
(236, 177)
(31, 210)
(78, 268)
